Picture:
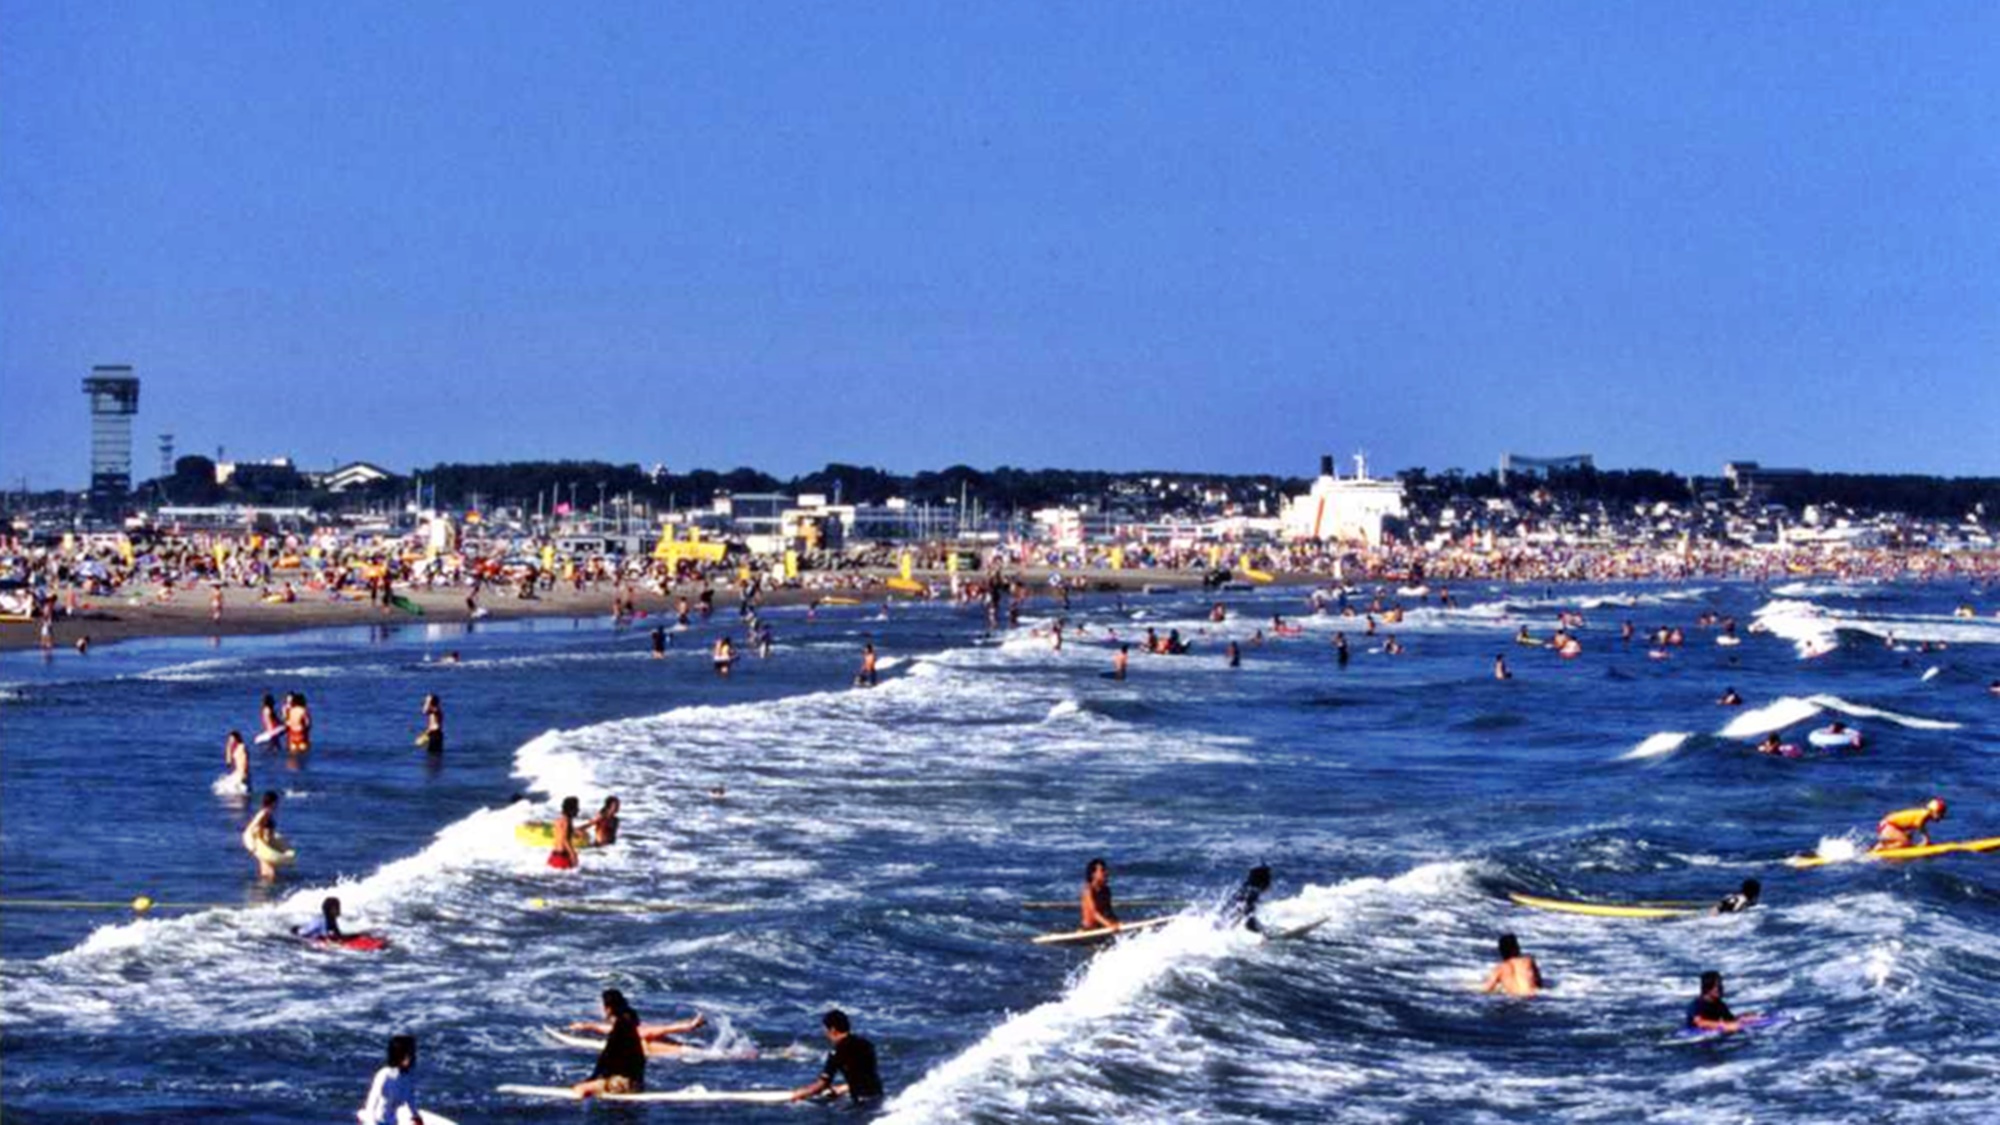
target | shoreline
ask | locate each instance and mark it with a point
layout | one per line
(187, 614)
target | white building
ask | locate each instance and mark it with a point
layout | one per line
(1350, 510)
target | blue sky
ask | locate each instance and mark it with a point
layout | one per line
(1205, 237)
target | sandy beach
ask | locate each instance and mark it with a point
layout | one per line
(187, 613)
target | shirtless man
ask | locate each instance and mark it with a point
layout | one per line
(1516, 974)
(866, 677)
(1096, 912)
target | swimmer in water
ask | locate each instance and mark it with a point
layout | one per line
(1729, 699)
(1500, 669)
(1096, 912)
(1119, 660)
(723, 655)
(1744, 898)
(432, 738)
(263, 830)
(562, 856)
(1516, 974)
(1708, 1012)
(298, 725)
(236, 756)
(866, 677)
(604, 826)
(1905, 827)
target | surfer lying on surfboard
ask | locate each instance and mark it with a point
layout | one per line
(658, 1038)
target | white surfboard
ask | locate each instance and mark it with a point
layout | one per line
(1076, 936)
(572, 1039)
(692, 1095)
(268, 735)
(1291, 932)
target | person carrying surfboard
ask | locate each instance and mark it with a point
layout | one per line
(1709, 1013)
(852, 1058)
(1904, 827)
(1095, 902)
(1516, 974)
(395, 1087)
(261, 839)
(621, 1066)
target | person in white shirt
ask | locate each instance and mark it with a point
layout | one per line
(395, 1087)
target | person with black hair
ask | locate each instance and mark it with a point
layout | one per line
(395, 1087)
(1242, 908)
(1095, 911)
(1708, 1012)
(621, 1066)
(1516, 974)
(852, 1058)
(1742, 900)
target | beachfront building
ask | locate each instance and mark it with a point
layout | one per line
(114, 399)
(1347, 510)
(354, 474)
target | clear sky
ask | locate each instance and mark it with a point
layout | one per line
(1206, 236)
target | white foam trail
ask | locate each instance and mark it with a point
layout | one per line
(1804, 624)
(1791, 710)
(1835, 703)
(1784, 712)
(1657, 745)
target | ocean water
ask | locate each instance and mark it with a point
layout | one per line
(873, 850)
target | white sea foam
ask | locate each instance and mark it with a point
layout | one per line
(1658, 745)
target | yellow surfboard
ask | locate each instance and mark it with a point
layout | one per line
(1924, 851)
(1607, 909)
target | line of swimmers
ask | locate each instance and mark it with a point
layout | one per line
(849, 1070)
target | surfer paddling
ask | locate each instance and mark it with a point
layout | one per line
(1095, 902)
(1744, 898)
(852, 1058)
(1516, 974)
(326, 927)
(1905, 827)
(393, 1096)
(654, 1038)
(621, 1066)
(1709, 1013)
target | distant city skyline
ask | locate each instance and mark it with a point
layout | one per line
(1115, 237)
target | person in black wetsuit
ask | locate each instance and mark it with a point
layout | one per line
(621, 1066)
(1242, 906)
(1742, 900)
(852, 1058)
